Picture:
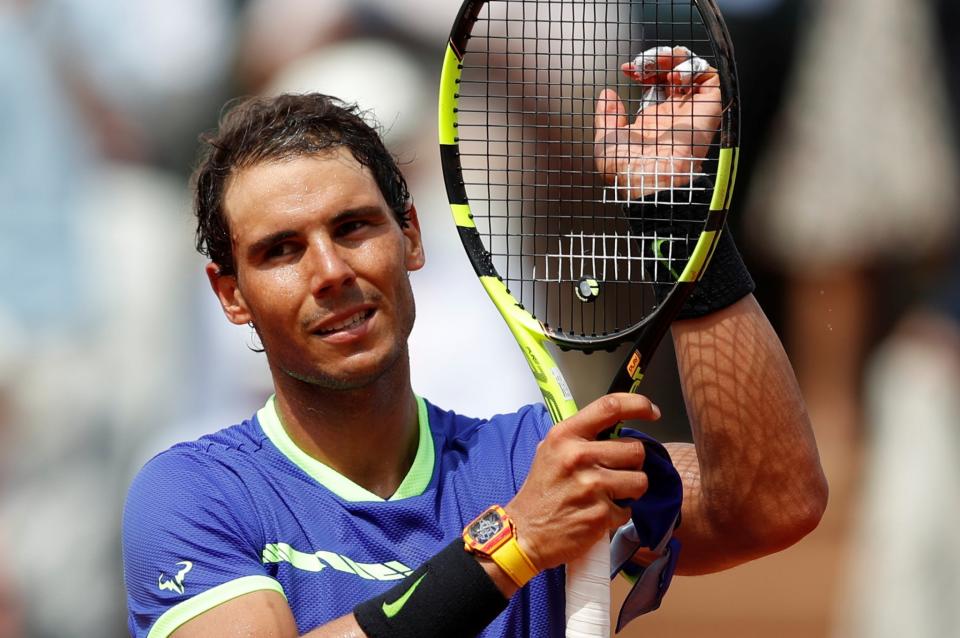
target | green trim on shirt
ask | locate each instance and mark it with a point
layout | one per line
(176, 616)
(413, 484)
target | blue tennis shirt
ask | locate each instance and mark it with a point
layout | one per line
(245, 509)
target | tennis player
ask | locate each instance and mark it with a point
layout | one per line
(349, 506)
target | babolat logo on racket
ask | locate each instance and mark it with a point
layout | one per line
(634, 364)
(538, 373)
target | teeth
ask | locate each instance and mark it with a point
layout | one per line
(348, 323)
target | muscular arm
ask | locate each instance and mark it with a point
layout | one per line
(752, 482)
(265, 614)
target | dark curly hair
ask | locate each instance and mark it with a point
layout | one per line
(260, 129)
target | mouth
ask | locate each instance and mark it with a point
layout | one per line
(348, 323)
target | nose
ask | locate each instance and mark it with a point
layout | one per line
(331, 270)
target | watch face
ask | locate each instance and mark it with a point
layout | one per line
(486, 527)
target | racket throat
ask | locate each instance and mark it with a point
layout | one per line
(630, 373)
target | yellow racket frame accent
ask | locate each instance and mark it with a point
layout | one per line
(447, 112)
(529, 335)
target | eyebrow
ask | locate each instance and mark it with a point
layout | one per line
(264, 243)
(360, 211)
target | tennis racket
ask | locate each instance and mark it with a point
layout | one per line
(588, 221)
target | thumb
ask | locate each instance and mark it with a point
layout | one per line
(610, 112)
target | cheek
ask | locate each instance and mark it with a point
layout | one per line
(380, 261)
(405, 299)
(284, 279)
(273, 293)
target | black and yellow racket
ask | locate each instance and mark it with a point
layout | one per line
(589, 151)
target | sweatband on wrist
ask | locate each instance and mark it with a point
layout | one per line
(725, 282)
(450, 595)
(726, 279)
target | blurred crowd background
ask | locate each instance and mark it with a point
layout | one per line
(113, 348)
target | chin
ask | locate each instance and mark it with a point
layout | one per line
(354, 378)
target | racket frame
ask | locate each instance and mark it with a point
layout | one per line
(587, 578)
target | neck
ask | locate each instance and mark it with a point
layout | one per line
(368, 435)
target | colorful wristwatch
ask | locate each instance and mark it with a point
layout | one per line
(492, 535)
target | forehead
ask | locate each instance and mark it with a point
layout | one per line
(298, 189)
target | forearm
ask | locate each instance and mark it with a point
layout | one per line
(347, 627)
(753, 484)
(343, 627)
(261, 613)
(266, 613)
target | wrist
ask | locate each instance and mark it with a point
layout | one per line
(525, 538)
(500, 578)
(451, 594)
(726, 279)
(493, 535)
(725, 282)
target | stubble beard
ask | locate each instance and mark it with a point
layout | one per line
(398, 355)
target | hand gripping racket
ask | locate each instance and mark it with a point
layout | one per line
(588, 221)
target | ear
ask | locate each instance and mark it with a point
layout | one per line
(228, 292)
(415, 258)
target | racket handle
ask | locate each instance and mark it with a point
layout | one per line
(588, 593)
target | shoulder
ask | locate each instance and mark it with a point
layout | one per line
(192, 532)
(190, 478)
(218, 450)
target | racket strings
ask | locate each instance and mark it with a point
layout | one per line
(555, 229)
(626, 258)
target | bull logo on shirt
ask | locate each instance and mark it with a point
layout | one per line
(174, 584)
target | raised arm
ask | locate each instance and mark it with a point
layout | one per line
(752, 482)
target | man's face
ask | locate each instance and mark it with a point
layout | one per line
(321, 268)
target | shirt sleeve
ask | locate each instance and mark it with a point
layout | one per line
(191, 541)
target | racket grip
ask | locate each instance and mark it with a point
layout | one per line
(588, 593)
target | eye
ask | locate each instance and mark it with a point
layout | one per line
(349, 227)
(282, 249)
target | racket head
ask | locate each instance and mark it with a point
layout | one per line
(517, 116)
(518, 138)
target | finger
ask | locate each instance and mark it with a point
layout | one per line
(656, 61)
(616, 454)
(707, 102)
(708, 83)
(625, 484)
(610, 112)
(619, 515)
(606, 412)
(688, 71)
(632, 71)
(655, 69)
(688, 76)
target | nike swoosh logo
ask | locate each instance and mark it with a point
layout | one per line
(392, 609)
